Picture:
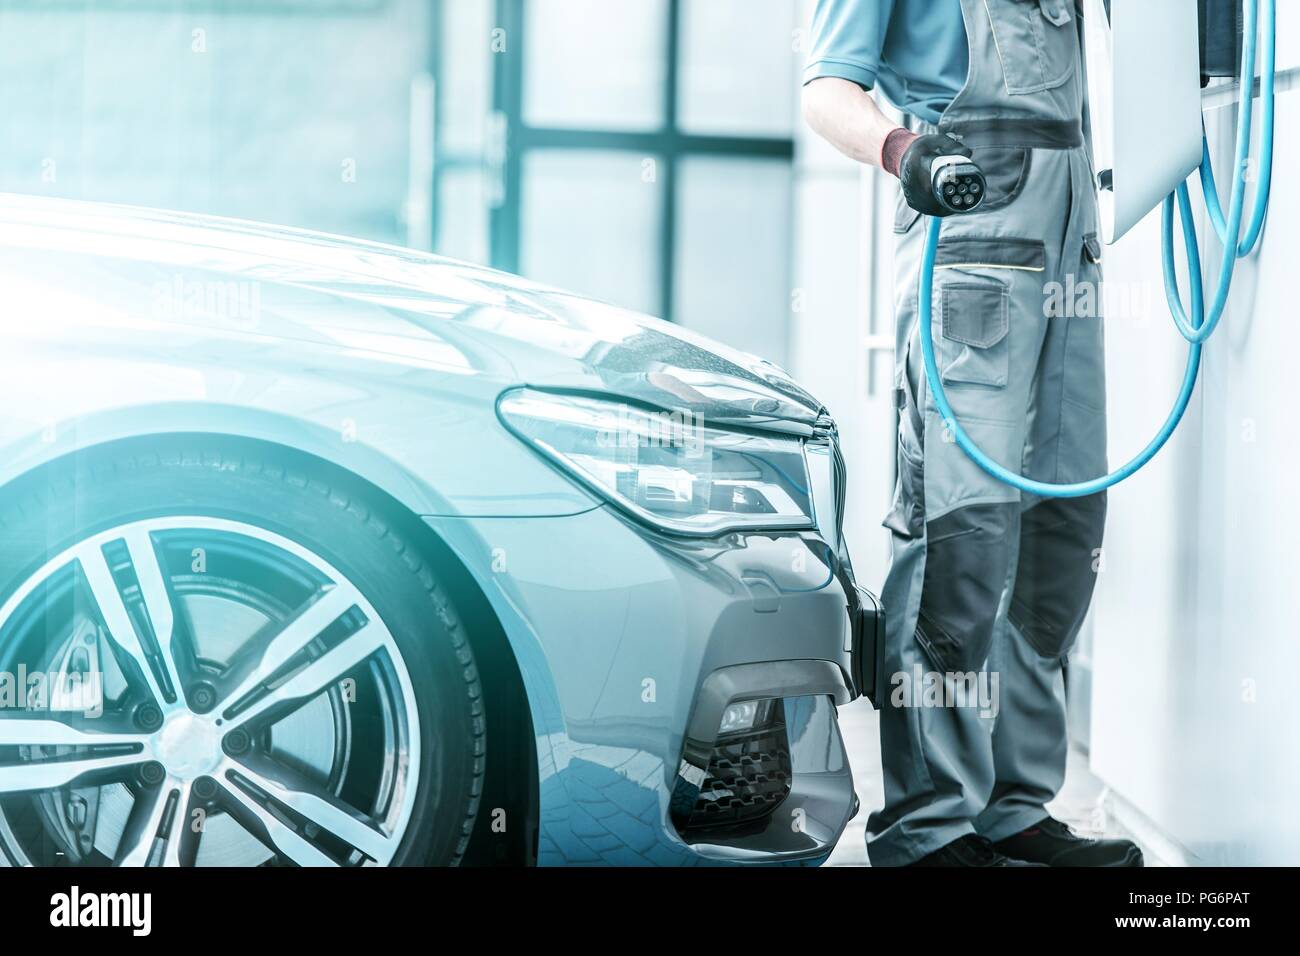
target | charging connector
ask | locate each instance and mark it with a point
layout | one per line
(958, 184)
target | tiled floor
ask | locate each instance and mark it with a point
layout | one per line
(1081, 803)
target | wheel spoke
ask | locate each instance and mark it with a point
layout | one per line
(121, 629)
(282, 837)
(49, 774)
(321, 809)
(141, 832)
(147, 825)
(295, 636)
(316, 675)
(61, 770)
(43, 732)
(157, 602)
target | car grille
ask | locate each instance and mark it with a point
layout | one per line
(748, 778)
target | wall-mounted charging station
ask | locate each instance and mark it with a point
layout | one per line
(1144, 91)
(1144, 75)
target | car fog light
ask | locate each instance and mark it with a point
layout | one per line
(739, 716)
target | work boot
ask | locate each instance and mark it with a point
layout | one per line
(970, 850)
(1052, 843)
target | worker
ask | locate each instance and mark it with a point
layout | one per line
(984, 579)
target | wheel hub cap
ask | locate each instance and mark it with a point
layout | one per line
(188, 746)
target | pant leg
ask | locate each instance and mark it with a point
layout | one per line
(1060, 539)
(1029, 737)
(937, 760)
(1052, 591)
(955, 529)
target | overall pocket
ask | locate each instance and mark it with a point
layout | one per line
(1006, 172)
(1085, 340)
(975, 310)
(1036, 43)
(905, 216)
(906, 516)
(976, 317)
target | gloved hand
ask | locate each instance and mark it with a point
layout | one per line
(914, 170)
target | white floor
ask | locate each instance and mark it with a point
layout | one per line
(1082, 803)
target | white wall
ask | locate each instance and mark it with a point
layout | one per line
(1194, 716)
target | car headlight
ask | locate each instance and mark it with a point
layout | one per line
(667, 468)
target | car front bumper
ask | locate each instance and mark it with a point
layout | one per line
(631, 645)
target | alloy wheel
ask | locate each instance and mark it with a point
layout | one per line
(213, 693)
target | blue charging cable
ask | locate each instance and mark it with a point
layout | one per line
(1195, 327)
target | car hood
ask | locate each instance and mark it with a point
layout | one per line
(391, 300)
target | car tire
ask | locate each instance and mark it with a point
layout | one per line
(330, 517)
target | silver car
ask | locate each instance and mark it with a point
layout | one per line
(322, 552)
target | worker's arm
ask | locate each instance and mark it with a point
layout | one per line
(845, 49)
(847, 41)
(847, 117)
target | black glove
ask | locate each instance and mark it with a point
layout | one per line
(916, 175)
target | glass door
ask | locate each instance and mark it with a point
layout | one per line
(640, 151)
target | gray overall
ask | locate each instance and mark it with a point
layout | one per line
(988, 587)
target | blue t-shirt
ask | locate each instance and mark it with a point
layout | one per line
(914, 51)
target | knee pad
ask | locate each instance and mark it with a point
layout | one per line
(1060, 544)
(966, 566)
